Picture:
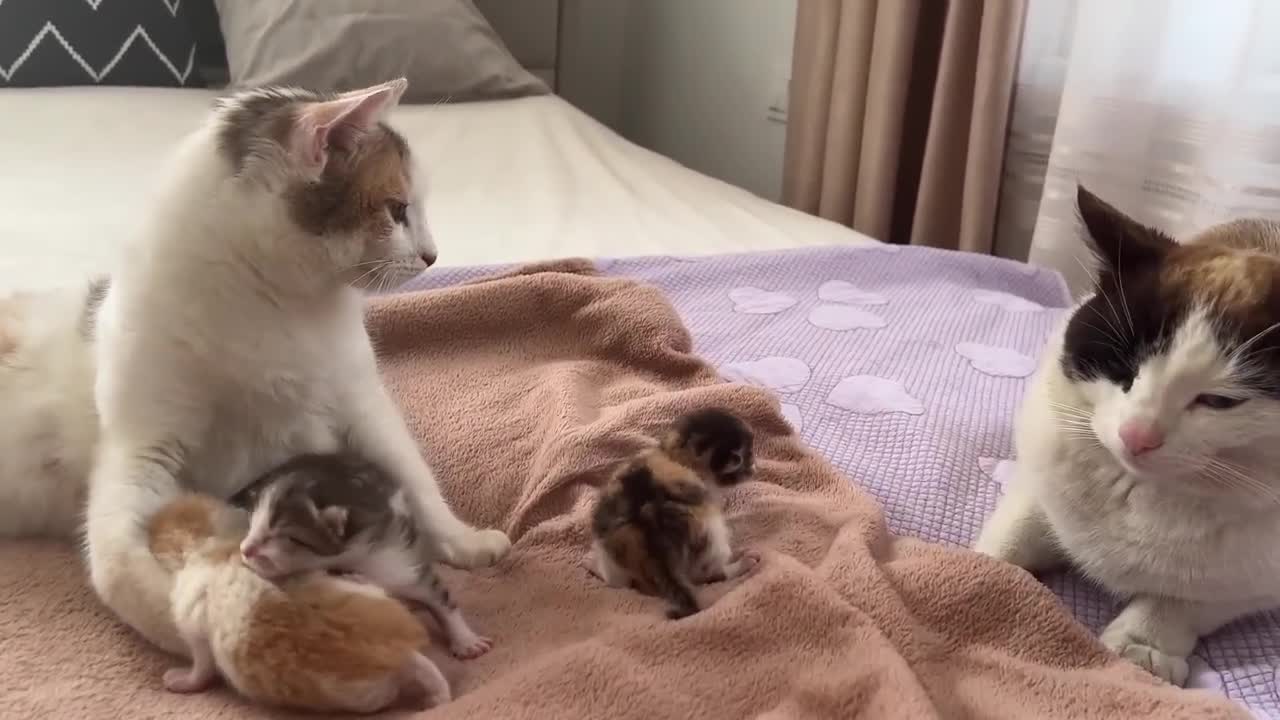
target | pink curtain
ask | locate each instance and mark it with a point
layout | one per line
(898, 113)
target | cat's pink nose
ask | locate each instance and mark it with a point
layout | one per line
(429, 258)
(1140, 437)
(248, 550)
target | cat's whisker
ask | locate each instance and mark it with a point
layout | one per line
(380, 264)
(1097, 285)
(1114, 341)
(362, 264)
(1230, 475)
(1257, 336)
(1124, 301)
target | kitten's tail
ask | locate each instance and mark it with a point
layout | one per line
(667, 565)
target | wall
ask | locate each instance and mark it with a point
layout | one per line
(691, 79)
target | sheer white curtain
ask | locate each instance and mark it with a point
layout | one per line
(1169, 109)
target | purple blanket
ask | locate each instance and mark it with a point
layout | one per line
(904, 366)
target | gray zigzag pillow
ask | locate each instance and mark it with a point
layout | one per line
(96, 42)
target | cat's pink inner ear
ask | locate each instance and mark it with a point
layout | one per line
(340, 122)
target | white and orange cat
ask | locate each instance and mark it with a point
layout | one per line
(230, 339)
(1149, 440)
(309, 642)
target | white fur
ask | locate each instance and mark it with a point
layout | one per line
(226, 348)
(48, 425)
(1189, 543)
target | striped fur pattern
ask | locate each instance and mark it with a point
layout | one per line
(338, 512)
(658, 525)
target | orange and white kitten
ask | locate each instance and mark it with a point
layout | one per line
(312, 642)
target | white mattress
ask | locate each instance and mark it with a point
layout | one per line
(509, 181)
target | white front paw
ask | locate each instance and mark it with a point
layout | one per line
(1170, 668)
(471, 548)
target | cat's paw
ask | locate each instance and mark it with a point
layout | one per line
(186, 680)
(473, 548)
(1170, 668)
(750, 560)
(470, 647)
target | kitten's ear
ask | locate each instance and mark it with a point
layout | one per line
(1119, 240)
(334, 518)
(340, 122)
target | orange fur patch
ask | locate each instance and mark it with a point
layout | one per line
(178, 527)
(627, 544)
(381, 174)
(316, 638)
(1232, 279)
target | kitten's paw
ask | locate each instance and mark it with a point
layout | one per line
(589, 564)
(425, 686)
(185, 680)
(471, 647)
(750, 560)
(1170, 668)
(473, 548)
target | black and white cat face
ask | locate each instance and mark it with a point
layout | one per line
(335, 182)
(1176, 358)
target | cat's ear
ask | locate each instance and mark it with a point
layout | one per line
(1119, 241)
(340, 122)
(335, 518)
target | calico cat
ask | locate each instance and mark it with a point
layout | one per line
(1149, 440)
(337, 512)
(658, 525)
(308, 642)
(232, 337)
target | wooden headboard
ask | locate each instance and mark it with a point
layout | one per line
(530, 28)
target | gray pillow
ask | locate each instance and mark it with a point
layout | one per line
(446, 48)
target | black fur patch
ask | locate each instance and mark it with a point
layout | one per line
(723, 439)
(1146, 289)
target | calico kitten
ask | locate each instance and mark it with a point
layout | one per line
(658, 524)
(341, 513)
(311, 642)
(1148, 441)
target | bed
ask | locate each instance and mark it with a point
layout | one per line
(773, 297)
(508, 181)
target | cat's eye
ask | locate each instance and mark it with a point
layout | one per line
(301, 543)
(1217, 402)
(399, 211)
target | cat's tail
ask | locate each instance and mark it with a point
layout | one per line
(48, 421)
(125, 493)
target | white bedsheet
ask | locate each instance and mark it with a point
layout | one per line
(509, 181)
